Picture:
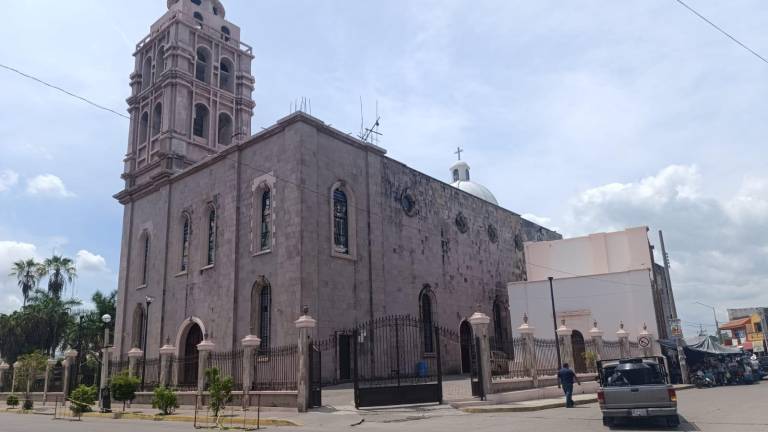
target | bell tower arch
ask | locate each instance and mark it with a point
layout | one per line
(191, 91)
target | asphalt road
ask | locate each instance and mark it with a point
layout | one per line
(731, 409)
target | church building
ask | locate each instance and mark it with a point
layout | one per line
(227, 234)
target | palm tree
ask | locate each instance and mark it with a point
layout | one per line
(61, 271)
(28, 272)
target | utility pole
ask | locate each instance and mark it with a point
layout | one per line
(717, 324)
(670, 296)
(554, 322)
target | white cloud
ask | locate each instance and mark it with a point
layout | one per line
(8, 179)
(11, 251)
(48, 185)
(89, 262)
(717, 246)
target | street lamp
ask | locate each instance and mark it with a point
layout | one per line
(148, 301)
(717, 325)
(106, 404)
(554, 322)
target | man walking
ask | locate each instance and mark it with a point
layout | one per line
(567, 377)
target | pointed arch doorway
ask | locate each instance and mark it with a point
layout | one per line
(191, 356)
(465, 339)
(577, 342)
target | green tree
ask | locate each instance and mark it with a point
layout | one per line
(31, 365)
(123, 387)
(164, 399)
(82, 398)
(60, 271)
(28, 273)
(220, 391)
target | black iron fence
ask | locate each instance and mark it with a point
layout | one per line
(276, 368)
(507, 361)
(546, 356)
(635, 350)
(149, 372)
(56, 380)
(611, 350)
(118, 367)
(229, 364)
(7, 381)
(590, 356)
(185, 369)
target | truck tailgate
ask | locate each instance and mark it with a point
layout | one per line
(646, 396)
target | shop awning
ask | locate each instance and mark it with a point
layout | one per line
(736, 324)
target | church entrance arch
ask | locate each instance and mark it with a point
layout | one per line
(465, 338)
(577, 342)
(190, 356)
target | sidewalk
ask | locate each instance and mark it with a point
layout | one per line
(537, 404)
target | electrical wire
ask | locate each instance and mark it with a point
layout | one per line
(731, 37)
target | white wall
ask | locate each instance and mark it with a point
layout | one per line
(607, 298)
(593, 254)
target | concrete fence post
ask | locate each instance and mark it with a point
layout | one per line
(134, 355)
(597, 340)
(250, 344)
(166, 358)
(566, 344)
(623, 336)
(646, 342)
(69, 359)
(3, 370)
(479, 322)
(304, 324)
(204, 349)
(48, 365)
(16, 367)
(529, 350)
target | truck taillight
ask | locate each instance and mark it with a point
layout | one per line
(601, 397)
(672, 395)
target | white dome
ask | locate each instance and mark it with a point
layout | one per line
(475, 189)
(460, 174)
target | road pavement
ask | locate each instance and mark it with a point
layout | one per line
(725, 409)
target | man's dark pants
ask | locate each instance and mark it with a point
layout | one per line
(568, 390)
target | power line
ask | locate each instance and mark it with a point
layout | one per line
(84, 99)
(692, 10)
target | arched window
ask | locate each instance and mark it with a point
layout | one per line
(198, 16)
(200, 124)
(146, 74)
(225, 75)
(197, 2)
(225, 129)
(455, 175)
(143, 127)
(265, 300)
(467, 173)
(340, 222)
(225, 33)
(145, 261)
(137, 338)
(203, 65)
(266, 215)
(157, 119)
(185, 231)
(215, 11)
(425, 303)
(498, 323)
(160, 60)
(211, 255)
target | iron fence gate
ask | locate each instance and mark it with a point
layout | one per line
(396, 361)
(315, 376)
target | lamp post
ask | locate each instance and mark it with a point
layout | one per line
(148, 302)
(717, 325)
(554, 322)
(103, 389)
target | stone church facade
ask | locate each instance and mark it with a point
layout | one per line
(231, 235)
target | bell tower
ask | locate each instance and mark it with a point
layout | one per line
(191, 91)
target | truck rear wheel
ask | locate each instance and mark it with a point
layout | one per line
(607, 421)
(673, 421)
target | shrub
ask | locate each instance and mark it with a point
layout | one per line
(165, 400)
(124, 388)
(82, 398)
(220, 390)
(28, 405)
(12, 401)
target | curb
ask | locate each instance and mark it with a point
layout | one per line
(188, 418)
(524, 408)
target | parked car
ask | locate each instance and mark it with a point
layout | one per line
(636, 388)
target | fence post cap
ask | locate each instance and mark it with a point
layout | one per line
(17, 365)
(206, 345)
(251, 341)
(167, 349)
(479, 318)
(135, 353)
(595, 331)
(70, 353)
(49, 362)
(621, 332)
(4, 366)
(563, 330)
(644, 331)
(305, 321)
(526, 328)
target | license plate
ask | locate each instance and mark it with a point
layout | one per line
(642, 412)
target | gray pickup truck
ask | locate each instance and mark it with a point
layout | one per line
(636, 388)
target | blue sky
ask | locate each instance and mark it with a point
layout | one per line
(583, 115)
